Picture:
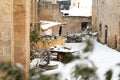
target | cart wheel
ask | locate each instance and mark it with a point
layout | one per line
(60, 57)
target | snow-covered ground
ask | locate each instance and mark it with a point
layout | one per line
(102, 56)
(105, 58)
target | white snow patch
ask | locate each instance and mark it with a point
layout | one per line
(102, 56)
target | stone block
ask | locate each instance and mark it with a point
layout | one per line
(7, 18)
(1, 51)
(0, 16)
(20, 58)
(4, 28)
(8, 2)
(7, 43)
(19, 2)
(20, 49)
(5, 58)
(6, 25)
(20, 43)
(1, 35)
(19, 20)
(19, 10)
(6, 8)
(20, 28)
(20, 35)
(1, 43)
(7, 51)
(7, 35)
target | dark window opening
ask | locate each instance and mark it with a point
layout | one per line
(60, 31)
(66, 14)
(100, 30)
(84, 25)
(115, 41)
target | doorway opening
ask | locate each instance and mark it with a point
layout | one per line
(84, 25)
(106, 33)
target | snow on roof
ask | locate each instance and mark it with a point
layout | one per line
(80, 12)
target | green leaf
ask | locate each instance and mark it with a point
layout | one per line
(109, 75)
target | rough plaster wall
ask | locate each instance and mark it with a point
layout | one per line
(14, 31)
(74, 24)
(6, 30)
(108, 14)
(94, 14)
(21, 32)
(45, 11)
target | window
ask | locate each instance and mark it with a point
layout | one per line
(84, 25)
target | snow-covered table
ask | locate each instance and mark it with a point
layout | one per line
(61, 51)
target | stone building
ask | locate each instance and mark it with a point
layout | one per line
(75, 24)
(75, 4)
(14, 32)
(106, 20)
(51, 12)
(64, 4)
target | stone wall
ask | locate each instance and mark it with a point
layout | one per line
(21, 19)
(6, 30)
(14, 32)
(94, 14)
(49, 11)
(107, 13)
(74, 24)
